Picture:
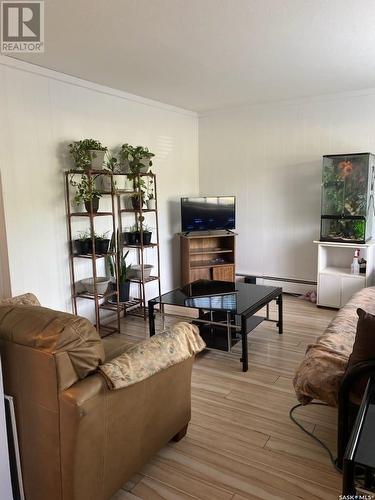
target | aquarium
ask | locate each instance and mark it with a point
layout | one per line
(347, 198)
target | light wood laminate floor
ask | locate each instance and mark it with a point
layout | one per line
(241, 443)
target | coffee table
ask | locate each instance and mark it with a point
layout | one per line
(226, 311)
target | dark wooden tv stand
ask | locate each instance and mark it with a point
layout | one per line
(208, 255)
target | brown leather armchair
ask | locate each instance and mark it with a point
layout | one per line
(78, 439)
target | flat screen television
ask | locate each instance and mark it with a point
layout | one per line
(208, 213)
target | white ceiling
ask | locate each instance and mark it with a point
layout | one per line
(209, 54)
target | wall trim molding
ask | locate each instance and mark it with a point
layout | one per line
(245, 106)
(96, 87)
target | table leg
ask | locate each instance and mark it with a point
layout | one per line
(348, 485)
(245, 355)
(279, 302)
(151, 317)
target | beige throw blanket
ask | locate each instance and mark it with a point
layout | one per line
(153, 355)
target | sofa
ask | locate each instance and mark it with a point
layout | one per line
(81, 437)
(324, 374)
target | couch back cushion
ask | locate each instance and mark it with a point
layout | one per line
(72, 340)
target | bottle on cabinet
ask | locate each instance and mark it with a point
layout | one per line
(355, 264)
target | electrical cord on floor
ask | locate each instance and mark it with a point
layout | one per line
(333, 460)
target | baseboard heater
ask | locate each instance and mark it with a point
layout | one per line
(289, 285)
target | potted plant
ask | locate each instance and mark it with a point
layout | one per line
(86, 193)
(136, 159)
(139, 191)
(88, 154)
(138, 200)
(144, 237)
(123, 269)
(81, 244)
(130, 236)
(102, 244)
(104, 181)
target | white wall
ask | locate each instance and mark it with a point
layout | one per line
(41, 112)
(270, 157)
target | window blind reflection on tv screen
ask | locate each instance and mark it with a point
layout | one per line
(208, 213)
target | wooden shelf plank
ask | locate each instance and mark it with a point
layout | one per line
(90, 256)
(204, 264)
(86, 214)
(147, 280)
(151, 245)
(132, 211)
(210, 251)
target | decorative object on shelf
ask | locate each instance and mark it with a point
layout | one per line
(347, 208)
(362, 266)
(86, 192)
(99, 283)
(88, 154)
(141, 272)
(354, 268)
(135, 159)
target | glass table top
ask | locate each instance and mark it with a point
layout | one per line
(219, 296)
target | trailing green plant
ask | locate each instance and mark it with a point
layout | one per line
(112, 164)
(150, 188)
(136, 156)
(83, 152)
(85, 189)
(116, 248)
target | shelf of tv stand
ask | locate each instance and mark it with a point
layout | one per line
(206, 263)
(211, 251)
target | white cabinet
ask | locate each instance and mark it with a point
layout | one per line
(351, 285)
(329, 290)
(336, 284)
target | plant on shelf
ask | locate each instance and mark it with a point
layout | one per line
(86, 193)
(135, 159)
(143, 237)
(102, 243)
(130, 235)
(88, 154)
(150, 202)
(122, 279)
(139, 195)
(82, 243)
